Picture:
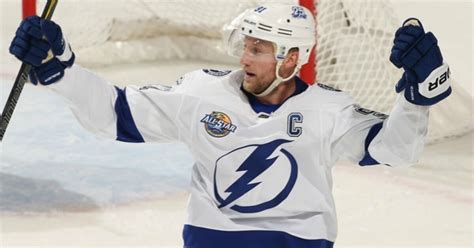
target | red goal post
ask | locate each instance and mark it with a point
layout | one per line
(29, 8)
(308, 71)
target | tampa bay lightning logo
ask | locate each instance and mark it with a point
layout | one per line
(242, 186)
(298, 12)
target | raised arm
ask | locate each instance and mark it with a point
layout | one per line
(398, 140)
(131, 114)
(425, 82)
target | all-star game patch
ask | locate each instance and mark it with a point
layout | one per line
(218, 124)
(216, 73)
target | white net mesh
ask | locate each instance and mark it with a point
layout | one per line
(353, 50)
(126, 31)
(353, 45)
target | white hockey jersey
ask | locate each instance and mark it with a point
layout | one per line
(260, 179)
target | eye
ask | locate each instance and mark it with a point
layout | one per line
(256, 50)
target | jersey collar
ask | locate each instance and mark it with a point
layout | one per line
(260, 107)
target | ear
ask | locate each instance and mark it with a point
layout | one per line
(289, 63)
(291, 58)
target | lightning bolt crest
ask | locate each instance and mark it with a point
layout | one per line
(254, 165)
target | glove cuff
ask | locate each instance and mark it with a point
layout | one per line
(437, 82)
(67, 57)
(47, 73)
(436, 87)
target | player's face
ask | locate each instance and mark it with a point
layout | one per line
(259, 63)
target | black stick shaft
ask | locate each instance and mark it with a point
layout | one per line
(21, 78)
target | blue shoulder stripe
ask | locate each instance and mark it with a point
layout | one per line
(368, 160)
(127, 131)
(198, 237)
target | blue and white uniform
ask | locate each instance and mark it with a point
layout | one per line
(262, 176)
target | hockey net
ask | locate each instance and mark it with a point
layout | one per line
(353, 44)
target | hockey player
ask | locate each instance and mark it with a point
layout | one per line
(264, 142)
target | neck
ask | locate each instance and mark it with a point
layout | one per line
(280, 93)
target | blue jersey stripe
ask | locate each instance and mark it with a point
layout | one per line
(127, 131)
(368, 160)
(198, 237)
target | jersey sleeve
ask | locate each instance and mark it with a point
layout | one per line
(369, 138)
(132, 114)
(160, 113)
(90, 98)
(401, 138)
(352, 125)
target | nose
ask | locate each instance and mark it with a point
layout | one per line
(245, 59)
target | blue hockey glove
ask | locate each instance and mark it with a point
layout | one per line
(28, 44)
(426, 80)
(33, 40)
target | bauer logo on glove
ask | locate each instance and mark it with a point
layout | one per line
(437, 82)
(426, 80)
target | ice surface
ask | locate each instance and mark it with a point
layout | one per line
(44, 141)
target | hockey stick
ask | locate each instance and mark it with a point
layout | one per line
(21, 78)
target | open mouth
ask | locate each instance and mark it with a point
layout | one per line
(249, 74)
